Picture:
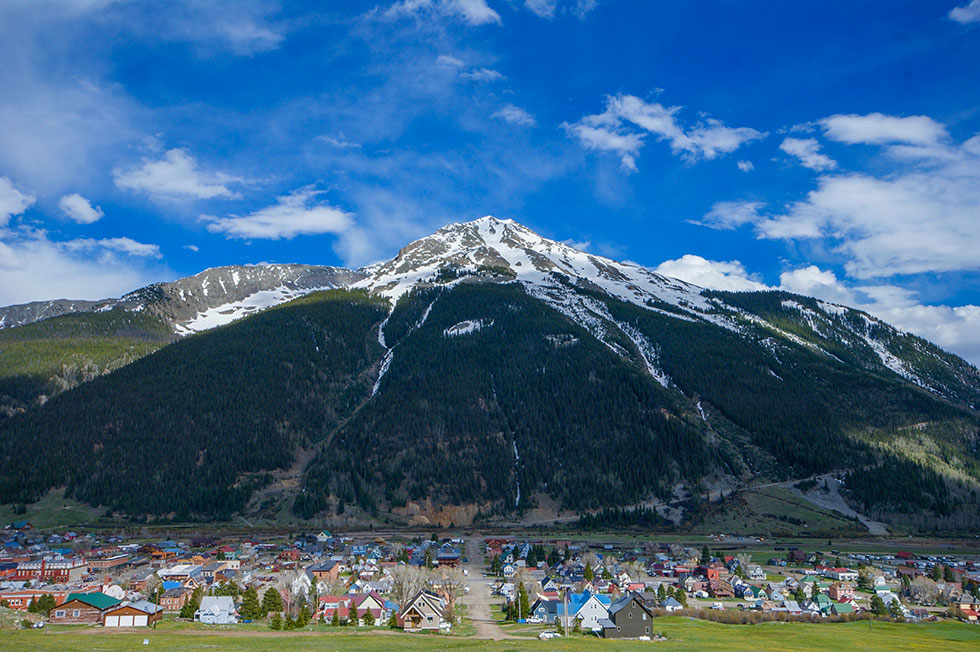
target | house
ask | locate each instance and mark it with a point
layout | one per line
(839, 591)
(671, 605)
(173, 599)
(363, 603)
(216, 610)
(628, 618)
(132, 614)
(841, 608)
(82, 609)
(326, 572)
(757, 573)
(590, 609)
(422, 612)
(54, 571)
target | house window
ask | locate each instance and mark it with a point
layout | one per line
(646, 629)
(59, 614)
(75, 613)
(631, 614)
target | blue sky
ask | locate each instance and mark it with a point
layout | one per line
(827, 148)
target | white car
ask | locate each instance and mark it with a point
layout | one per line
(536, 620)
(547, 636)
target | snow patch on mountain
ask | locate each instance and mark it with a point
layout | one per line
(466, 327)
(235, 310)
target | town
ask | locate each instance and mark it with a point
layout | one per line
(481, 586)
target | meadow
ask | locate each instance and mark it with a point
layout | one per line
(681, 634)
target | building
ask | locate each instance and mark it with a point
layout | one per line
(82, 609)
(216, 610)
(628, 618)
(52, 571)
(100, 564)
(422, 612)
(132, 614)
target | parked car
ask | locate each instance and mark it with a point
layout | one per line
(547, 636)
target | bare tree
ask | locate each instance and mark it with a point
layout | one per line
(451, 583)
(406, 581)
(923, 590)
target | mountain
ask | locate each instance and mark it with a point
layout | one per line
(487, 372)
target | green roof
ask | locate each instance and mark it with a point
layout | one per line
(97, 600)
(843, 608)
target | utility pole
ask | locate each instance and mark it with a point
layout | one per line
(564, 608)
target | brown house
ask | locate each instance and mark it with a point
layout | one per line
(173, 599)
(132, 614)
(326, 572)
(82, 609)
(424, 611)
(839, 592)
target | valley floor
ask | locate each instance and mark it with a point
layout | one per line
(681, 634)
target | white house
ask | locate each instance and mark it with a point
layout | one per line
(592, 610)
(216, 610)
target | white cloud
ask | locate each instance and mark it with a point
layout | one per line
(920, 218)
(515, 115)
(745, 166)
(620, 127)
(176, 175)
(954, 328)
(126, 246)
(451, 61)
(543, 8)
(483, 75)
(80, 209)
(807, 150)
(293, 214)
(193, 248)
(338, 141)
(728, 215)
(474, 12)
(35, 268)
(713, 274)
(968, 13)
(12, 201)
(608, 139)
(880, 129)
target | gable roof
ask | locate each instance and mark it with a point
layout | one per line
(97, 600)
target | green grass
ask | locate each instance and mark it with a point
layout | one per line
(52, 511)
(682, 635)
(777, 511)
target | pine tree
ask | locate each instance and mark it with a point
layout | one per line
(193, 604)
(878, 606)
(588, 574)
(335, 620)
(353, 620)
(271, 601)
(798, 594)
(937, 573)
(368, 618)
(393, 620)
(948, 574)
(895, 609)
(705, 555)
(428, 558)
(289, 623)
(523, 608)
(251, 607)
(276, 622)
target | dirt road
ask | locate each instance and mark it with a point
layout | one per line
(478, 600)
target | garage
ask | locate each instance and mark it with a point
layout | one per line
(133, 614)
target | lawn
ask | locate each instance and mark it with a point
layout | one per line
(682, 634)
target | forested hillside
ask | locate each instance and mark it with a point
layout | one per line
(179, 431)
(47, 357)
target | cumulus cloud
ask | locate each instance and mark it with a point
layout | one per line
(713, 274)
(807, 150)
(627, 118)
(34, 267)
(126, 246)
(880, 129)
(294, 214)
(449, 60)
(954, 328)
(515, 115)
(176, 175)
(968, 13)
(921, 217)
(473, 12)
(80, 209)
(745, 166)
(12, 201)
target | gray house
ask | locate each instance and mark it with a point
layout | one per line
(216, 610)
(628, 618)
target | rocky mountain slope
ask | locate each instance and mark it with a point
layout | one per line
(486, 370)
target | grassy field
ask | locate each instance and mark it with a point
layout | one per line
(688, 635)
(52, 511)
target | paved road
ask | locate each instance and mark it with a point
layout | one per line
(479, 600)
